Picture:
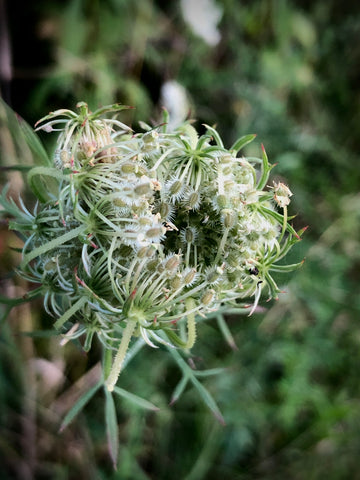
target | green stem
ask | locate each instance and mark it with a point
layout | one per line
(56, 242)
(191, 324)
(120, 355)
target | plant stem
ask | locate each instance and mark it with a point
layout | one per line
(120, 356)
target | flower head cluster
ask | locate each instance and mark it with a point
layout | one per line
(136, 232)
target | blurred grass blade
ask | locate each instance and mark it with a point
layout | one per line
(135, 400)
(34, 143)
(19, 142)
(209, 372)
(224, 329)
(179, 389)
(79, 405)
(112, 428)
(208, 399)
(204, 394)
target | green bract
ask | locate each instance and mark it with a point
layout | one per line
(136, 232)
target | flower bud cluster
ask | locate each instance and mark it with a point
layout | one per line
(149, 228)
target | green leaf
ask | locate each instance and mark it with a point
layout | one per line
(204, 394)
(20, 142)
(224, 329)
(179, 389)
(265, 170)
(79, 405)
(70, 312)
(112, 428)
(208, 399)
(50, 245)
(135, 400)
(34, 143)
(116, 107)
(286, 268)
(215, 135)
(242, 142)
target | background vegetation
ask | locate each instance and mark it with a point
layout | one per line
(290, 396)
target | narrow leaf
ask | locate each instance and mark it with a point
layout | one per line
(79, 405)
(70, 312)
(208, 399)
(224, 329)
(56, 242)
(286, 268)
(179, 389)
(112, 428)
(242, 142)
(135, 400)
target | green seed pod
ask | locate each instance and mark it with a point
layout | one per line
(165, 210)
(155, 232)
(214, 275)
(128, 168)
(222, 201)
(226, 158)
(172, 263)
(142, 252)
(145, 221)
(190, 235)
(143, 189)
(152, 265)
(193, 201)
(65, 160)
(118, 202)
(176, 187)
(229, 218)
(208, 297)
(176, 282)
(189, 277)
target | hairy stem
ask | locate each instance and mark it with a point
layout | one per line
(120, 355)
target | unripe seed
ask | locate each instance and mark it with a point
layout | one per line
(193, 200)
(222, 201)
(229, 218)
(190, 235)
(128, 168)
(189, 277)
(172, 263)
(208, 296)
(176, 187)
(155, 232)
(176, 282)
(164, 210)
(143, 189)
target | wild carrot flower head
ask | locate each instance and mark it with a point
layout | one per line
(135, 233)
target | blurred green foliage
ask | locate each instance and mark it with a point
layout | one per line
(290, 395)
